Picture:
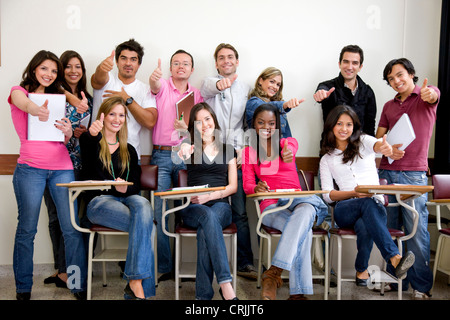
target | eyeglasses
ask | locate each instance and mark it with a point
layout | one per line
(184, 64)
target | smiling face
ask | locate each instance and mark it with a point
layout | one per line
(181, 66)
(350, 65)
(271, 85)
(73, 72)
(204, 123)
(401, 81)
(46, 73)
(342, 130)
(115, 119)
(226, 62)
(265, 124)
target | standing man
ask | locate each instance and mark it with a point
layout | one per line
(166, 138)
(136, 94)
(411, 165)
(228, 97)
(349, 89)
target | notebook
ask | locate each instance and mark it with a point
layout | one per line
(401, 132)
(184, 107)
(46, 131)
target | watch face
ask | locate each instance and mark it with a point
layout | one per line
(129, 101)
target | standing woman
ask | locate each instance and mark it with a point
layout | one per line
(106, 155)
(42, 164)
(269, 89)
(212, 163)
(272, 160)
(75, 83)
(349, 160)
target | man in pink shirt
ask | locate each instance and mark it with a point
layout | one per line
(411, 165)
(166, 137)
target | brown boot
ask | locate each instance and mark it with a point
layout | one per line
(271, 281)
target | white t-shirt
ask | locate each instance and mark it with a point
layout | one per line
(140, 92)
(362, 171)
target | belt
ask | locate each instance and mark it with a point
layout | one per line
(167, 148)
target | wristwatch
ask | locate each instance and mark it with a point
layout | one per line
(129, 101)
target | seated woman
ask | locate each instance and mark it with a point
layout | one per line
(106, 155)
(349, 160)
(272, 160)
(215, 164)
(268, 89)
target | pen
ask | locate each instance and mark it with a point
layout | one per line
(181, 117)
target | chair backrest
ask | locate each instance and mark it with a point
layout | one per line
(441, 183)
(306, 180)
(149, 177)
(182, 178)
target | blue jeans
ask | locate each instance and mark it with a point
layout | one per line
(240, 218)
(29, 185)
(419, 275)
(132, 214)
(167, 175)
(368, 217)
(211, 251)
(293, 252)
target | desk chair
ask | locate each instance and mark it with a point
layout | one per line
(441, 196)
(188, 269)
(339, 234)
(267, 234)
(149, 181)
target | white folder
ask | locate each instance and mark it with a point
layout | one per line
(402, 132)
(46, 131)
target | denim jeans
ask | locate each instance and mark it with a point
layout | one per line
(240, 218)
(132, 214)
(293, 252)
(368, 217)
(29, 184)
(419, 275)
(167, 175)
(211, 251)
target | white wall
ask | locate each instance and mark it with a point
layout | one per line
(302, 38)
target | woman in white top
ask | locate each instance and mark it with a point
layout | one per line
(349, 160)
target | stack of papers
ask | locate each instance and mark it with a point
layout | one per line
(402, 132)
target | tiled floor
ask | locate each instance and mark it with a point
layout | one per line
(246, 289)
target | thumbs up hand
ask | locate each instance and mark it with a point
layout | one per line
(108, 64)
(287, 154)
(321, 95)
(225, 83)
(97, 126)
(43, 112)
(157, 73)
(428, 94)
(385, 148)
(294, 102)
(83, 106)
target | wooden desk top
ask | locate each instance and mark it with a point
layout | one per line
(94, 183)
(285, 194)
(187, 191)
(394, 188)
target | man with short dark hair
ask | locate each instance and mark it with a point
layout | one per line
(349, 89)
(136, 94)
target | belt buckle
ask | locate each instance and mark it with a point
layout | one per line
(175, 148)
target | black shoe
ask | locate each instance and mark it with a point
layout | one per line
(165, 276)
(81, 295)
(361, 282)
(23, 296)
(56, 280)
(129, 294)
(223, 298)
(405, 263)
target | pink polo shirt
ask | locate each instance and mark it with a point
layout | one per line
(164, 133)
(422, 116)
(48, 155)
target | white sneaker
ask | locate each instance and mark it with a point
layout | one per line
(417, 295)
(377, 287)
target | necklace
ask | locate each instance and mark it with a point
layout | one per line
(128, 171)
(113, 144)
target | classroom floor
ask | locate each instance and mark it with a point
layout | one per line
(246, 289)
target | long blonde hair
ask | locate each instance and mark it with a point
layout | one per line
(105, 154)
(267, 73)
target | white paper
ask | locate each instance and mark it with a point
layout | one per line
(402, 132)
(46, 131)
